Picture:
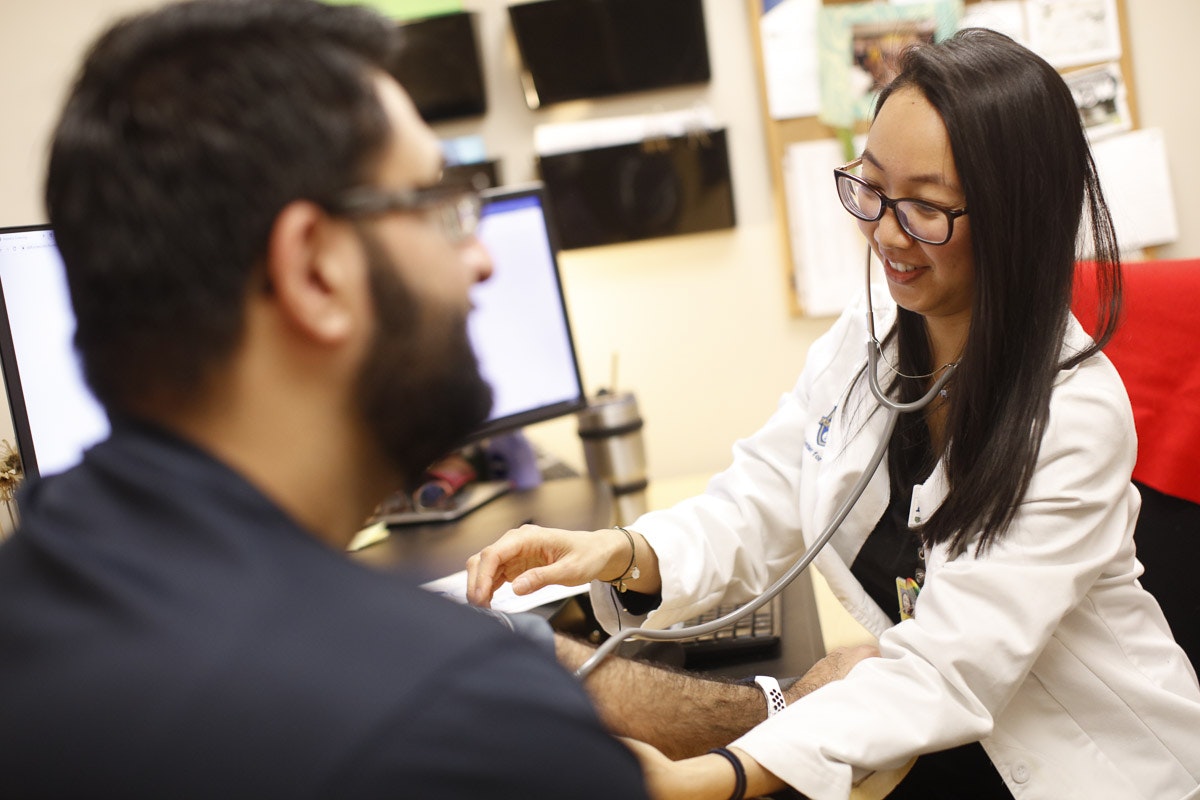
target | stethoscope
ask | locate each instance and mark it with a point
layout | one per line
(894, 410)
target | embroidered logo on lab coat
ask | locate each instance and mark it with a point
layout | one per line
(823, 428)
(822, 435)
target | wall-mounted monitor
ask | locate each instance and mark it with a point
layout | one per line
(642, 190)
(438, 63)
(480, 174)
(574, 49)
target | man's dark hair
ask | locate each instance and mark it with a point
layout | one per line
(187, 131)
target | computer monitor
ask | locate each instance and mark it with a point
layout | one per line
(55, 417)
(519, 327)
(519, 330)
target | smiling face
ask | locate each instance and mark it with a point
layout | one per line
(908, 155)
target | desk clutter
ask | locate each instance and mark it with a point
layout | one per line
(466, 479)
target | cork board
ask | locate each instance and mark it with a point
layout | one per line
(783, 133)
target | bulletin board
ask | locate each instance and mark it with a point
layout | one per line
(789, 133)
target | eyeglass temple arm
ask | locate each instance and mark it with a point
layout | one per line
(870, 304)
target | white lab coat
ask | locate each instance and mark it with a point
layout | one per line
(1046, 648)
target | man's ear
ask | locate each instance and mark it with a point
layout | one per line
(315, 268)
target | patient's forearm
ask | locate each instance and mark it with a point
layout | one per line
(679, 713)
(683, 714)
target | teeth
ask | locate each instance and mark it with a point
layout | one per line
(902, 267)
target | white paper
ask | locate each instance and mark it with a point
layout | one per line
(828, 250)
(1137, 185)
(1004, 16)
(454, 587)
(789, 43)
(1069, 33)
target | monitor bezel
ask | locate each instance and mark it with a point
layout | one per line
(12, 374)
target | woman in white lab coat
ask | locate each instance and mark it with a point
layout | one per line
(1033, 664)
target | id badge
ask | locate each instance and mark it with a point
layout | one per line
(907, 590)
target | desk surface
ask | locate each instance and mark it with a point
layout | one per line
(442, 548)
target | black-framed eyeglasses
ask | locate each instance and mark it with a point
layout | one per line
(456, 209)
(924, 221)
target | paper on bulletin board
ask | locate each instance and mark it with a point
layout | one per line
(1070, 33)
(1004, 16)
(1102, 99)
(828, 251)
(1137, 186)
(406, 9)
(859, 44)
(788, 30)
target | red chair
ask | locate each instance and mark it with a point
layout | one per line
(1156, 350)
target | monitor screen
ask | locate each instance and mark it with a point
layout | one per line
(55, 416)
(438, 64)
(594, 48)
(519, 330)
(519, 327)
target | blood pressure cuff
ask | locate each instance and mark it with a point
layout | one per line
(531, 626)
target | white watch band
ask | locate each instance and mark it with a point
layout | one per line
(774, 695)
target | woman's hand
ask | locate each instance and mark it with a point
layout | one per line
(665, 779)
(699, 778)
(532, 557)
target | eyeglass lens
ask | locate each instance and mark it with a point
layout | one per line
(459, 216)
(922, 221)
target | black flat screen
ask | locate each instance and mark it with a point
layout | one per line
(438, 64)
(575, 49)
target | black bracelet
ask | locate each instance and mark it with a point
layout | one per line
(739, 773)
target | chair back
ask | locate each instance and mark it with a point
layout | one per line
(1156, 350)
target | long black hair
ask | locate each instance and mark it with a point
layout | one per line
(1030, 183)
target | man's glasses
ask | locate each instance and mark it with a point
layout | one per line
(455, 209)
(923, 221)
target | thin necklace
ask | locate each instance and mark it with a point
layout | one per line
(895, 371)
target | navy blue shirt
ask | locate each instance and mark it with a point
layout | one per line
(167, 631)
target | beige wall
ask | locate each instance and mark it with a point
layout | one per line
(700, 323)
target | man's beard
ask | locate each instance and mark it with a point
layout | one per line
(420, 388)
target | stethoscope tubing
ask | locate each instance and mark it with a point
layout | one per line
(693, 631)
(894, 410)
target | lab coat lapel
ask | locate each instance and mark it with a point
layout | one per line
(855, 430)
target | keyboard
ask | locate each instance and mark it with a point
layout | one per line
(754, 637)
